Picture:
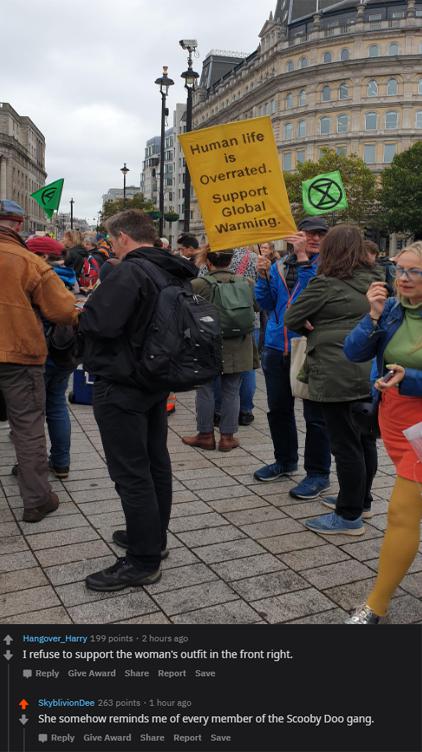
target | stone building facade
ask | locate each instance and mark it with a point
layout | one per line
(22, 164)
(343, 75)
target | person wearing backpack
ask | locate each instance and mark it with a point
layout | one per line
(128, 326)
(233, 297)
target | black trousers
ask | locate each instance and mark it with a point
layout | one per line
(134, 436)
(356, 459)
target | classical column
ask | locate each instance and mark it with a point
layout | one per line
(3, 183)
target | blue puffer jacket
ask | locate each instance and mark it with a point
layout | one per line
(366, 341)
(274, 296)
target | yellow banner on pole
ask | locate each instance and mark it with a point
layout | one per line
(235, 171)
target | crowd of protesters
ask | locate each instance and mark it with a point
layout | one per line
(359, 315)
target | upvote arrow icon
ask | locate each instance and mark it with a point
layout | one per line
(24, 704)
(8, 655)
(23, 719)
(8, 639)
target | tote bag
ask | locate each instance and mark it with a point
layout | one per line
(297, 360)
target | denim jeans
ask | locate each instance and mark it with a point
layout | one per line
(247, 387)
(57, 413)
(282, 422)
(229, 384)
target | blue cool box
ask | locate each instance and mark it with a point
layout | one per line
(82, 387)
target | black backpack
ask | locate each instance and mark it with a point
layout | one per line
(182, 348)
(65, 346)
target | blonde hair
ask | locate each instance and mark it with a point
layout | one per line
(72, 238)
(415, 248)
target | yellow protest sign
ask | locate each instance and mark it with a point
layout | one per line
(236, 174)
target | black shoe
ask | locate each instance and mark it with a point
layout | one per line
(217, 418)
(119, 537)
(14, 470)
(245, 419)
(59, 472)
(121, 575)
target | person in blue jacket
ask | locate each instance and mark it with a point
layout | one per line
(276, 288)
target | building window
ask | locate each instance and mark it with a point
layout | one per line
(343, 91)
(393, 50)
(301, 98)
(303, 62)
(290, 66)
(419, 119)
(391, 120)
(369, 153)
(289, 101)
(341, 151)
(371, 121)
(324, 126)
(392, 87)
(373, 50)
(327, 57)
(389, 152)
(342, 123)
(300, 156)
(287, 160)
(420, 86)
(326, 93)
(301, 129)
(344, 54)
(288, 131)
(372, 89)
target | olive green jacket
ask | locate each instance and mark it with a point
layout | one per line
(333, 307)
(239, 353)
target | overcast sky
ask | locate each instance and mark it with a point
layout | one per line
(84, 72)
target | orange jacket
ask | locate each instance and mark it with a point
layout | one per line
(28, 287)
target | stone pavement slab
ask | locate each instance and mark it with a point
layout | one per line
(239, 551)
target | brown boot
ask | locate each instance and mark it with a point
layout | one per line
(36, 514)
(201, 440)
(227, 442)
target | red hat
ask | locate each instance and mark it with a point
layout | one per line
(45, 245)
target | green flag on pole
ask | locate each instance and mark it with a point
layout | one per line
(324, 193)
(49, 196)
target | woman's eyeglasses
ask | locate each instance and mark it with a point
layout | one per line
(413, 275)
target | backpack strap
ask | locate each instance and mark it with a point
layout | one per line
(158, 276)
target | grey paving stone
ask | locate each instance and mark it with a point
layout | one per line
(204, 483)
(189, 508)
(22, 579)
(179, 557)
(313, 557)
(195, 522)
(181, 496)
(28, 600)
(188, 464)
(6, 515)
(229, 550)
(404, 610)
(383, 481)
(88, 484)
(272, 527)
(12, 544)
(412, 584)
(248, 567)
(206, 472)
(182, 577)
(282, 543)
(339, 573)
(9, 528)
(351, 595)
(55, 523)
(281, 499)
(234, 612)
(20, 560)
(61, 538)
(291, 606)
(88, 474)
(56, 615)
(305, 509)
(268, 584)
(379, 521)
(241, 502)
(205, 537)
(112, 609)
(212, 494)
(367, 549)
(65, 554)
(100, 507)
(336, 616)
(156, 618)
(192, 598)
(94, 494)
(248, 516)
(78, 570)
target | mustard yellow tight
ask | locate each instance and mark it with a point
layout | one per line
(400, 544)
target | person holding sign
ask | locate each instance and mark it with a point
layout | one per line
(277, 287)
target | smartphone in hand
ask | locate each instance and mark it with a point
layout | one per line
(388, 376)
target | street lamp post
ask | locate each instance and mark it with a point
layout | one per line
(190, 77)
(164, 83)
(71, 213)
(125, 171)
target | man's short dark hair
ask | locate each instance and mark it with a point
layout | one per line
(134, 223)
(188, 241)
(220, 259)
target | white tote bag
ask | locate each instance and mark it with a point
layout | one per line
(297, 360)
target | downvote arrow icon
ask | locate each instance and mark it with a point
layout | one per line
(8, 639)
(23, 719)
(8, 655)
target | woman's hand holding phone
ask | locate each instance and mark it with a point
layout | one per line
(393, 377)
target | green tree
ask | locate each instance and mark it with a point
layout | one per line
(358, 180)
(118, 205)
(401, 192)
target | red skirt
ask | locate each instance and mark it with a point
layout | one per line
(397, 413)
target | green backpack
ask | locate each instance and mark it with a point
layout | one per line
(234, 302)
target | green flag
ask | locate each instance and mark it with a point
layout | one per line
(49, 196)
(324, 193)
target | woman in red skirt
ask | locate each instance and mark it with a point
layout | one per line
(392, 332)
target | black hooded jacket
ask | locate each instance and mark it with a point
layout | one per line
(116, 316)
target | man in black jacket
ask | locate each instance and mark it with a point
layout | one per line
(132, 420)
